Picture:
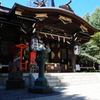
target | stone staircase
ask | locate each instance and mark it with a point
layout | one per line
(65, 79)
(58, 79)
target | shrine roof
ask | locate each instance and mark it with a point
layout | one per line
(50, 20)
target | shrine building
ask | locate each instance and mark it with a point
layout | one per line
(58, 27)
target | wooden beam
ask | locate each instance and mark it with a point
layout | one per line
(53, 35)
(11, 23)
(51, 27)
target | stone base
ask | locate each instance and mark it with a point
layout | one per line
(40, 90)
(41, 82)
(15, 84)
(15, 75)
(74, 70)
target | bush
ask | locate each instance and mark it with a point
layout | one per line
(91, 71)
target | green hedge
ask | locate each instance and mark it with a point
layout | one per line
(91, 71)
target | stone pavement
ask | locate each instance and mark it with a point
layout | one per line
(75, 92)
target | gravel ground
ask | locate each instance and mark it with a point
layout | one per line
(76, 92)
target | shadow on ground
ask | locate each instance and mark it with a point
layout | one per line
(24, 95)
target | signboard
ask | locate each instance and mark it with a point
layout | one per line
(77, 67)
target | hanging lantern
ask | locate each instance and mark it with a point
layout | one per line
(34, 44)
(76, 50)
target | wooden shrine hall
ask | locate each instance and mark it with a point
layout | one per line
(60, 28)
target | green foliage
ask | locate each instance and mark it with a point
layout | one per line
(96, 39)
(94, 70)
(94, 18)
(90, 51)
(91, 71)
(87, 17)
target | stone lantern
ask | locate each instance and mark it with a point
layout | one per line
(41, 84)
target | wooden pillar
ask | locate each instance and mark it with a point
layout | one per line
(73, 57)
(30, 35)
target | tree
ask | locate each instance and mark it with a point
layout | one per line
(87, 17)
(94, 18)
(90, 51)
(96, 39)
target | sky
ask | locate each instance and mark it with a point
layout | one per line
(80, 7)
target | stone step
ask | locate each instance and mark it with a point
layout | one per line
(53, 84)
(53, 77)
(53, 81)
(65, 79)
(57, 79)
